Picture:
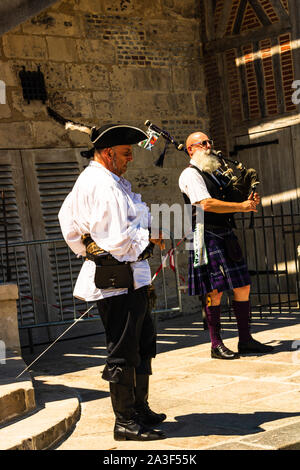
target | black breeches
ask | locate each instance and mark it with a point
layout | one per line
(130, 331)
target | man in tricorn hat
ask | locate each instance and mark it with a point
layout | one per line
(104, 221)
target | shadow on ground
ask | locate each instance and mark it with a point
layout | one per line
(225, 424)
(68, 356)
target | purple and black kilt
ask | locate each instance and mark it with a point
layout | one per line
(221, 272)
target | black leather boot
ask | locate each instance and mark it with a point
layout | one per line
(145, 414)
(127, 427)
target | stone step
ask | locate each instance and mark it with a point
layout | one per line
(16, 395)
(56, 413)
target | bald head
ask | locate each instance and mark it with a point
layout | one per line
(195, 138)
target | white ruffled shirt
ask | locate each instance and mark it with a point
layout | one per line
(103, 205)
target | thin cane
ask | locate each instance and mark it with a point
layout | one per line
(55, 341)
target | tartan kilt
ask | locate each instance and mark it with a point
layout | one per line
(221, 272)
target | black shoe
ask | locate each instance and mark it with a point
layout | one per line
(253, 346)
(133, 431)
(221, 352)
(147, 416)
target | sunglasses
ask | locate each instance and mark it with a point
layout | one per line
(203, 143)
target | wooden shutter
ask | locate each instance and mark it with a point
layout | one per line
(18, 229)
(49, 177)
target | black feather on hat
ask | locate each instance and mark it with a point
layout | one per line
(106, 136)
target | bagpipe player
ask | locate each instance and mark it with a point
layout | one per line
(216, 262)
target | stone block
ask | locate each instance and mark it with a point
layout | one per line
(152, 105)
(15, 135)
(5, 111)
(26, 47)
(96, 51)
(79, 139)
(7, 73)
(54, 75)
(49, 134)
(201, 105)
(62, 49)
(73, 104)
(89, 6)
(111, 106)
(142, 105)
(9, 317)
(186, 9)
(188, 78)
(33, 110)
(133, 78)
(152, 182)
(52, 23)
(12, 405)
(87, 76)
(162, 31)
(132, 7)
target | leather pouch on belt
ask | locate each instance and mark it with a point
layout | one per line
(116, 276)
(109, 271)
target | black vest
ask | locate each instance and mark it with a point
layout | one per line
(217, 191)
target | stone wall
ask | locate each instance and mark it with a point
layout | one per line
(110, 61)
(102, 61)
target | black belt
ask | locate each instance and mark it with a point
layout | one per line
(104, 260)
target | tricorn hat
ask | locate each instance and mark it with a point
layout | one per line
(111, 135)
(105, 136)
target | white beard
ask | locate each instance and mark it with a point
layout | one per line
(206, 161)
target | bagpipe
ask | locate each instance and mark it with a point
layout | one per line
(237, 187)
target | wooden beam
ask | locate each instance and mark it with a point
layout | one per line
(271, 31)
(239, 16)
(224, 18)
(295, 19)
(244, 88)
(278, 76)
(260, 12)
(209, 20)
(260, 80)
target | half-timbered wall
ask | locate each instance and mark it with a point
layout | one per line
(251, 57)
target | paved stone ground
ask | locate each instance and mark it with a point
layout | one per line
(251, 403)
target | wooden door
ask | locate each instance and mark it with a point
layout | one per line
(271, 248)
(276, 163)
